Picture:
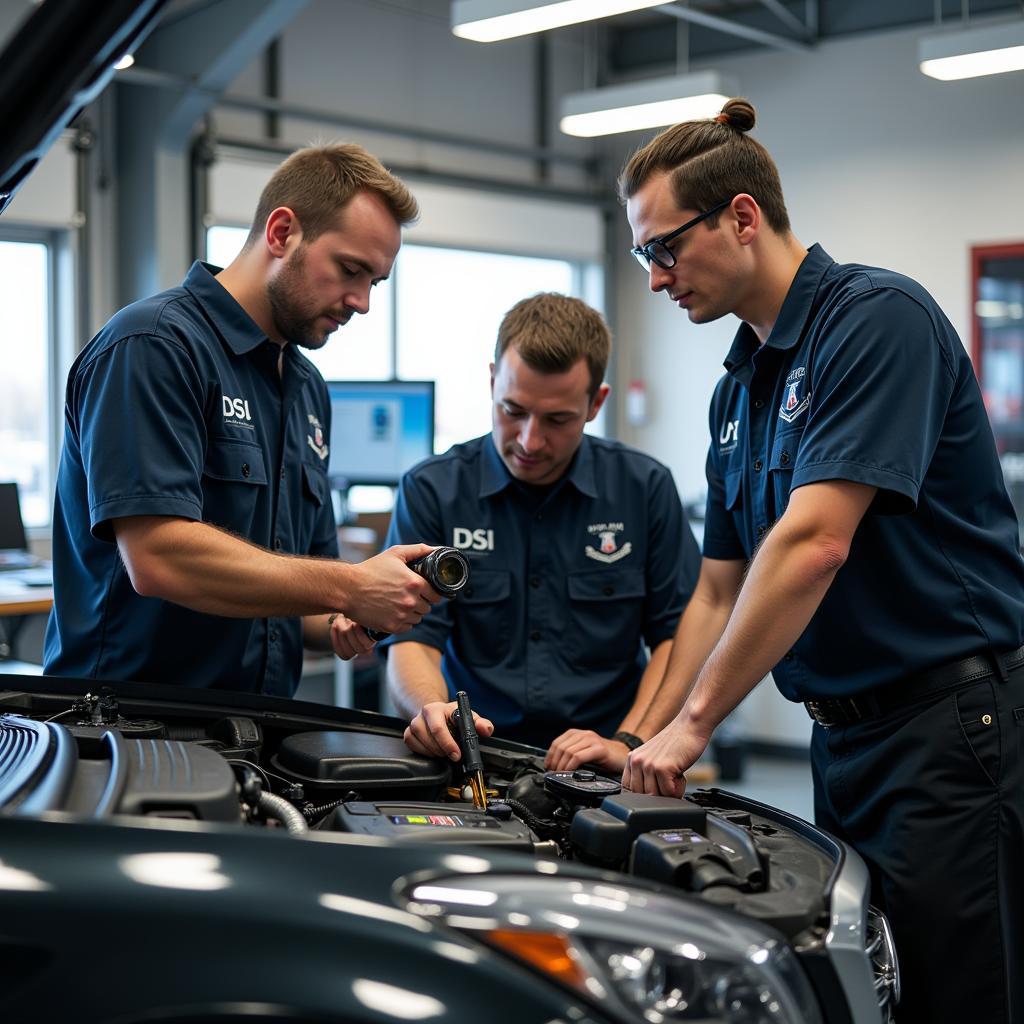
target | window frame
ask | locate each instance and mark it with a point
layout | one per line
(60, 317)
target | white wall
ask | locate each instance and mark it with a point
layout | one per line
(879, 164)
(402, 66)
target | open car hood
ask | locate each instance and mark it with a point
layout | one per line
(59, 60)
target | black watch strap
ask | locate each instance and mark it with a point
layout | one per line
(630, 739)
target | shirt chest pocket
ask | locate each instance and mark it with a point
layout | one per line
(780, 470)
(234, 479)
(483, 618)
(605, 616)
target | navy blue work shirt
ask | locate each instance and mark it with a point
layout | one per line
(864, 379)
(567, 584)
(177, 408)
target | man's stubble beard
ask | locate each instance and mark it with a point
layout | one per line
(292, 323)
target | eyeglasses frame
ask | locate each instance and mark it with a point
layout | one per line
(646, 258)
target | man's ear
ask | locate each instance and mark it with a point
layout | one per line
(747, 216)
(282, 231)
(494, 366)
(598, 400)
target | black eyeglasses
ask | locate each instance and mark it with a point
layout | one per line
(657, 251)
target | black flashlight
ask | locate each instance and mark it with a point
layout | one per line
(445, 569)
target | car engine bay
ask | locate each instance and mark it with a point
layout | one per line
(109, 756)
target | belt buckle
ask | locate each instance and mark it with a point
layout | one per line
(832, 711)
(816, 709)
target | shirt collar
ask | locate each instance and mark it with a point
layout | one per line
(797, 310)
(235, 326)
(495, 477)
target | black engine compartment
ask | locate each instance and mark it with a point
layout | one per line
(108, 755)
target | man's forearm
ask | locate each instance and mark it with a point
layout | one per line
(414, 677)
(316, 633)
(700, 628)
(785, 585)
(650, 682)
(210, 571)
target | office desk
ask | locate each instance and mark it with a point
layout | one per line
(17, 601)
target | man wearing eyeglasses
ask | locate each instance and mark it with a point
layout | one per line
(860, 545)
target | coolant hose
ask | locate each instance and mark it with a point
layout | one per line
(274, 806)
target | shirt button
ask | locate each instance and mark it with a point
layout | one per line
(272, 637)
(535, 582)
(277, 544)
(758, 404)
(789, 656)
(535, 635)
(762, 530)
(245, 469)
(758, 465)
(784, 459)
(282, 472)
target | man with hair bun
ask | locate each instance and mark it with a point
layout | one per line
(193, 471)
(860, 545)
(581, 558)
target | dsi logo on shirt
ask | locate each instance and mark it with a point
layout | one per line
(472, 540)
(236, 410)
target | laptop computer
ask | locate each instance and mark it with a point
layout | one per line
(14, 552)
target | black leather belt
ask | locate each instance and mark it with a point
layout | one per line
(934, 682)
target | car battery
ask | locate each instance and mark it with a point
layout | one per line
(433, 823)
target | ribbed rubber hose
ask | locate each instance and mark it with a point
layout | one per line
(274, 806)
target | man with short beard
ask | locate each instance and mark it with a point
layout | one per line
(194, 539)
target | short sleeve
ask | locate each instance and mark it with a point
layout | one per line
(138, 408)
(880, 385)
(416, 520)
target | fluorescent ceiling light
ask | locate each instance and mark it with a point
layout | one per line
(971, 52)
(485, 21)
(650, 104)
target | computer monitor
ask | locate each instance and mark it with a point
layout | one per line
(379, 429)
(12, 529)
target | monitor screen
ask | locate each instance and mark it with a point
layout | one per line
(379, 429)
(12, 530)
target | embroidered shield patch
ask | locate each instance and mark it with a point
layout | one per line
(795, 397)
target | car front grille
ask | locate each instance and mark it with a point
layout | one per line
(885, 968)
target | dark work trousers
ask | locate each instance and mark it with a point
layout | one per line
(932, 797)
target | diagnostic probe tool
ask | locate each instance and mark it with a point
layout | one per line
(469, 745)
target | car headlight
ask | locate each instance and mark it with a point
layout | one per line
(640, 955)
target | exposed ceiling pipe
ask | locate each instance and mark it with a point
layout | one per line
(787, 17)
(732, 28)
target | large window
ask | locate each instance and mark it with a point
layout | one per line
(436, 319)
(449, 305)
(26, 349)
(362, 350)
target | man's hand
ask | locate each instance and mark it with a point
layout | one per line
(657, 767)
(582, 746)
(386, 594)
(429, 732)
(348, 638)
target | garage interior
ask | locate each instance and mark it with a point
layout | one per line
(881, 164)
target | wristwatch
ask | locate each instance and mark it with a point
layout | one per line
(631, 740)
